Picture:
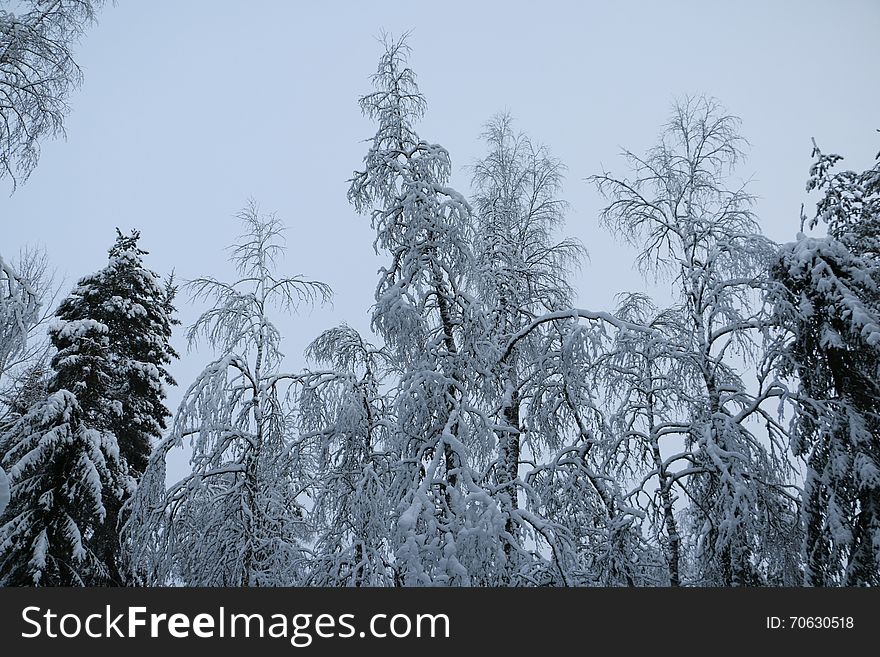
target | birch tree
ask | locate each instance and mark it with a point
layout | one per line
(447, 524)
(647, 388)
(519, 273)
(237, 519)
(531, 384)
(19, 310)
(346, 419)
(37, 74)
(696, 230)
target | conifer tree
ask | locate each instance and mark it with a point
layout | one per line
(137, 310)
(61, 468)
(827, 305)
(107, 391)
(130, 301)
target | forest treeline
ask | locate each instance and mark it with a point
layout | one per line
(488, 432)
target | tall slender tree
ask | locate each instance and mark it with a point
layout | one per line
(345, 416)
(19, 309)
(236, 520)
(529, 383)
(447, 523)
(130, 301)
(23, 371)
(694, 228)
(519, 273)
(106, 392)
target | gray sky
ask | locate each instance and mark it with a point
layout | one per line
(189, 108)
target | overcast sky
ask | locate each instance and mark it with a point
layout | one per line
(190, 108)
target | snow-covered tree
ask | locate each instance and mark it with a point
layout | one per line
(345, 418)
(61, 465)
(593, 533)
(646, 388)
(37, 74)
(4, 491)
(23, 373)
(19, 311)
(519, 273)
(828, 308)
(697, 231)
(94, 420)
(236, 520)
(530, 383)
(447, 525)
(136, 309)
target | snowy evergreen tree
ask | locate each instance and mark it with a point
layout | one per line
(62, 464)
(828, 309)
(5, 492)
(693, 228)
(137, 309)
(237, 519)
(130, 301)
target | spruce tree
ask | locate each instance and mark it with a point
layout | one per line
(137, 310)
(105, 407)
(60, 467)
(129, 299)
(828, 303)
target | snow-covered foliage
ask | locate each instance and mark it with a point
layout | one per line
(59, 469)
(79, 428)
(24, 368)
(345, 423)
(19, 310)
(850, 204)
(4, 491)
(123, 395)
(827, 306)
(131, 301)
(237, 519)
(447, 526)
(534, 354)
(487, 431)
(682, 401)
(37, 73)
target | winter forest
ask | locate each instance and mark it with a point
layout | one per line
(486, 429)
